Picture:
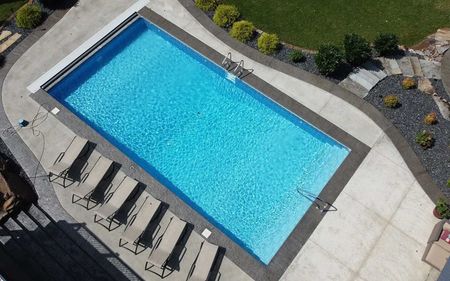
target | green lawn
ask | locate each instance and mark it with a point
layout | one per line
(308, 23)
(8, 7)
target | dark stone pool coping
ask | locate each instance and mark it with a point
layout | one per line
(411, 159)
(247, 262)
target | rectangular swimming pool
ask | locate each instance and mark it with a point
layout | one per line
(228, 151)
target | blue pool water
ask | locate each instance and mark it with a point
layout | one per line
(223, 147)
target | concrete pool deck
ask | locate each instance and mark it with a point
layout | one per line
(382, 210)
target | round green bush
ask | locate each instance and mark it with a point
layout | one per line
(297, 56)
(242, 30)
(268, 43)
(29, 16)
(357, 49)
(206, 5)
(328, 58)
(386, 44)
(225, 15)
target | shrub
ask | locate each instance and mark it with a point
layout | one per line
(268, 43)
(29, 16)
(386, 44)
(409, 83)
(430, 119)
(297, 56)
(225, 15)
(391, 101)
(206, 5)
(425, 139)
(242, 30)
(442, 208)
(357, 49)
(329, 58)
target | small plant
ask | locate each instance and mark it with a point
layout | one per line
(206, 5)
(386, 44)
(391, 101)
(297, 56)
(357, 49)
(425, 139)
(225, 15)
(329, 58)
(268, 43)
(242, 30)
(409, 83)
(430, 118)
(448, 183)
(442, 209)
(29, 16)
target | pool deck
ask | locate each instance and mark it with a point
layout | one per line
(383, 216)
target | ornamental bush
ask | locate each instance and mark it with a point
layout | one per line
(206, 5)
(430, 119)
(386, 44)
(357, 49)
(29, 16)
(297, 56)
(391, 101)
(409, 83)
(225, 15)
(329, 57)
(442, 208)
(242, 30)
(425, 139)
(268, 43)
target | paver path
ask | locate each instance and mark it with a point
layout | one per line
(364, 78)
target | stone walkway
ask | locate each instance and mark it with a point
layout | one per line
(364, 78)
(383, 219)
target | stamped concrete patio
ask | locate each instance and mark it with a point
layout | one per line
(383, 219)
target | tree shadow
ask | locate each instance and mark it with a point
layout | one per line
(59, 4)
(48, 250)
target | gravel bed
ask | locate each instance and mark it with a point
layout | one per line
(408, 118)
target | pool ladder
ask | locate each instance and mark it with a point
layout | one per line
(320, 204)
(239, 70)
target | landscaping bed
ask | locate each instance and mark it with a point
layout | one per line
(409, 119)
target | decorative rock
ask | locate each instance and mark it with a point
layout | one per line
(431, 69)
(425, 86)
(394, 68)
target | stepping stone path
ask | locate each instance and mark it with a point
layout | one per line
(4, 34)
(10, 41)
(364, 78)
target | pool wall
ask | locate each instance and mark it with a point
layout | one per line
(240, 256)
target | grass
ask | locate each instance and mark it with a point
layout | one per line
(9, 7)
(309, 23)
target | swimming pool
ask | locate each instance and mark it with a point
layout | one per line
(223, 147)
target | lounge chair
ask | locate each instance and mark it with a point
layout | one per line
(66, 158)
(115, 200)
(164, 246)
(139, 221)
(201, 268)
(91, 180)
